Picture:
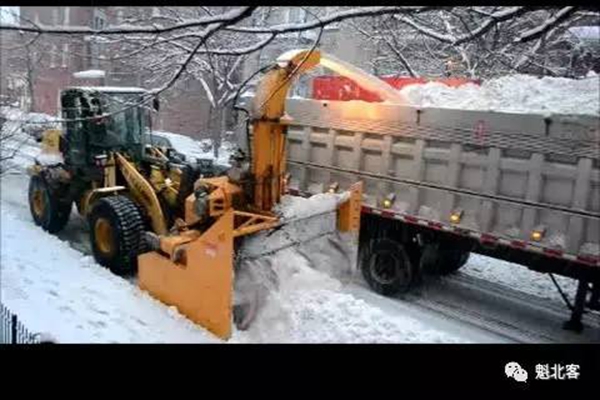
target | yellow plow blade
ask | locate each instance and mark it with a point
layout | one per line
(200, 283)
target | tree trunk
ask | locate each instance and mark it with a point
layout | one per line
(30, 78)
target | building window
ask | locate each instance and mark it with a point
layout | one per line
(55, 16)
(67, 16)
(53, 51)
(329, 11)
(99, 21)
(295, 15)
(94, 55)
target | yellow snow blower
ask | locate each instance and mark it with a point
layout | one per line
(193, 268)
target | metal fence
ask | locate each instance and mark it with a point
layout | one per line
(12, 331)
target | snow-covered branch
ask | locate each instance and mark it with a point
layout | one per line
(129, 29)
(550, 23)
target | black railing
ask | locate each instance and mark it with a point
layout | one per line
(12, 331)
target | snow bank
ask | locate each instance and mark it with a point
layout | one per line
(302, 287)
(514, 94)
(311, 307)
(56, 289)
(519, 278)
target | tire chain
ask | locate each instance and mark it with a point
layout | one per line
(127, 211)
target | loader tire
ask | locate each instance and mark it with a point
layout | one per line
(47, 209)
(386, 266)
(116, 234)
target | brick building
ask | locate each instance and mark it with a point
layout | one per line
(53, 60)
(50, 63)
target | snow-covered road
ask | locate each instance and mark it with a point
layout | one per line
(56, 287)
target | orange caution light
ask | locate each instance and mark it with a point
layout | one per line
(456, 216)
(537, 234)
(333, 188)
(389, 200)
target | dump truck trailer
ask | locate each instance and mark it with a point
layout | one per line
(441, 183)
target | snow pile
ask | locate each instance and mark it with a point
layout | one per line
(56, 289)
(193, 149)
(514, 94)
(90, 74)
(302, 219)
(311, 307)
(293, 207)
(519, 278)
(301, 287)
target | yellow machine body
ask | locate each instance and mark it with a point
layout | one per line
(193, 269)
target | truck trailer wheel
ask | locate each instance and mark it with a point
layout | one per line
(47, 210)
(386, 266)
(443, 258)
(453, 260)
(116, 229)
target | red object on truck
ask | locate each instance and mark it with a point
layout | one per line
(343, 89)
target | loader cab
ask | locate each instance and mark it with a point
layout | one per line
(101, 119)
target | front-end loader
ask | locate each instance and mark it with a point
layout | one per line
(178, 223)
(105, 161)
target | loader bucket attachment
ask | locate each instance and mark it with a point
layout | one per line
(200, 284)
(348, 215)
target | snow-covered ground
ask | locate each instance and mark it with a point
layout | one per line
(514, 94)
(519, 278)
(56, 289)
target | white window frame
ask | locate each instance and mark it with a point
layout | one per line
(67, 16)
(65, 55)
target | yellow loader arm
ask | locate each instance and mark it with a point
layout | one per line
(143, 192)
